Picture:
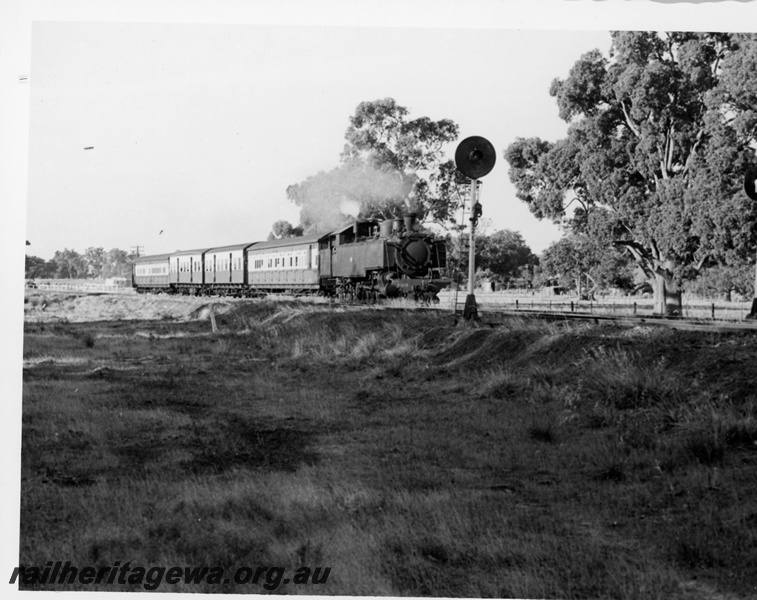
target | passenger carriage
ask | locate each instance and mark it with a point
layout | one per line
(286, 265)
(150, 273)
(186, 272)
(226, 269)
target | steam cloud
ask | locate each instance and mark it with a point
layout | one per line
(349, 207)
(329, 201)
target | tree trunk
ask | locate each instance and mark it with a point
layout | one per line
(667, 298)
(753, 313)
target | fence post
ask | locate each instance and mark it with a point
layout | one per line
(713, 310)
(212, 319)
(516, 304)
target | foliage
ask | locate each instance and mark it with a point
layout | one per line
(500, 256)
(39, 268)
(655, 152)
(504, 253)
(69, 264)
(95, 259)
(723, 280)
(577, 254)
(284, 229)
(390, 165)
(117, 263)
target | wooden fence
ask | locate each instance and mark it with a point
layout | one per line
(693, 308)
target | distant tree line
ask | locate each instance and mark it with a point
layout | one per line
(94, 263)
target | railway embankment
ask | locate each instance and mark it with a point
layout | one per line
(413, 457)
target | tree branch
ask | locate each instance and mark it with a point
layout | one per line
(693, 151)
(671, 147)
(629, 122)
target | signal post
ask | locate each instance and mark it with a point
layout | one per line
(475, 157)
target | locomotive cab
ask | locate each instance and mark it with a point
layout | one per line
(349, 252)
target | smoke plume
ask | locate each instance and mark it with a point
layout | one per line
(332, 200)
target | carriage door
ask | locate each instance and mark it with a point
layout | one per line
(231, 267)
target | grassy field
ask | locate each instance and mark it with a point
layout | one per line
(409, 456)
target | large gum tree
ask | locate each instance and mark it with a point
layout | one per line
(654, 159)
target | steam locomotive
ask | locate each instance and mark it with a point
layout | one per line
(365, 260)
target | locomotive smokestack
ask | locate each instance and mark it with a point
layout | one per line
(385, 228)
(410, 219)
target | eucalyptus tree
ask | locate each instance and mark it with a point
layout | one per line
(95, 259)
(576, 255)
(504, 253)
(657, 144)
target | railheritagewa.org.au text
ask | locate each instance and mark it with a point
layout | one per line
(150, 578)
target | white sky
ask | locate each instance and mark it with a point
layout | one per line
(202, 112)
(198, 129)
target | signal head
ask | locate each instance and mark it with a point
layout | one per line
(475, 157)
